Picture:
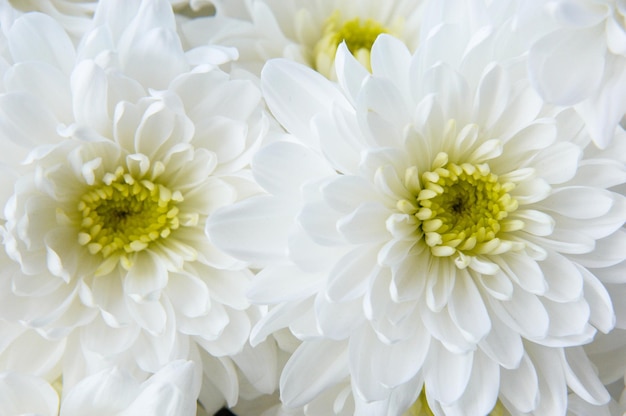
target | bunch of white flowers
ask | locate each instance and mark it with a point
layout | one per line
(312, 207)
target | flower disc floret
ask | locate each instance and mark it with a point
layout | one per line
(358, 34)
(462, 207)
(123, 215)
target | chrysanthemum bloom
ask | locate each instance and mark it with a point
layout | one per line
(113, 391)
(589, 46)
(73, 15)
(431, 224)
(306, 31)
(114, 155)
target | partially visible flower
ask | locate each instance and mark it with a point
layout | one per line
(73, 15)
(22, 394)
(306, 31)
(172, 391)
(125, 145)
(433, 222)
(581, 62)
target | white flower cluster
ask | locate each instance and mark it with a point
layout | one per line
(312, 207)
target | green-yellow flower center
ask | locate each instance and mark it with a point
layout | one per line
(421, 408)
(359, 35)
(462, 208)
(123, 215)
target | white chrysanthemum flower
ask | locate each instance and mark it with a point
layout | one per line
(24, 394)
(582, 62)
(172, 391)
(306, 31)
(73, 15)
(114, 155)
(432, 221)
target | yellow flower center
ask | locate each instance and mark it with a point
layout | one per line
(124, 215)
(421, 408)
(462, 208)
(358, 34)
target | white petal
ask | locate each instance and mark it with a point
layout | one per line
(603, 111)
(600, 173)
(93, 394)
(567, 319)
(350, 73)
(149, 315)
(295, 94)
(450, 88)
(351, 275)
(615, 36)
(446, 374)
(441, 327)
(559, 163)
(523, 270)
(365, 224)
(578, 13)
(282, 283)
(491, 96)
(602, 314)
(535, 222)
(227, 286)
(90, 97)
(259, 365)
(608, 251)
(497, 285)
(536, 135)
(581, 377)
(224, 136)
(26, 394)
(552, 385)
(172, 390)
(382, 109)
(233, 337)
(101, 338)
(340, 137)
(158, 49)
(565, 282)
(482, 389)
(26, 121)
(188, 294)
(44, 81)
(300, 381)
(441, 276)
(279, 317)
(283, 167)
(37, 37)
(503, 344)
(319, 222)
(344, 192)
(551, 58)
(467, 309)
(520, 386)
(338, 320)
(374, 364)
(407, 281)
(146, 277)
(579, 202)
(523, 313)
(254, 230)
(389, 59)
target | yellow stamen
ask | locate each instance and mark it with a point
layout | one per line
(463, 208)
(122, 215)
(359, 35)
